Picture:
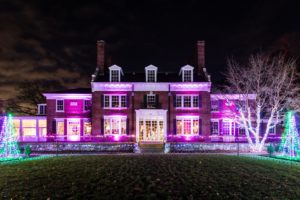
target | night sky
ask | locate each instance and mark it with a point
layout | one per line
(55, 41)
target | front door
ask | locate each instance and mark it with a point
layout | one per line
(151, 125)
(151, 130)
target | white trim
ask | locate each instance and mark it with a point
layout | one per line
(187, 68)
(150, 86)
(63, 105)
(39, 109)
(232, 96)
(84, 100)
(148, 95)
(218, 121)
(66, 96)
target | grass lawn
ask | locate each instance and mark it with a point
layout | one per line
(179, 176)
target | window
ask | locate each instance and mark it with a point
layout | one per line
(187, 76)
(87, 128)
(42, 109)
(242, 131)
(87, 105)
(214, 105)
(16, 125)
(115, 75)
(151, 100)
(59, 105)
(29, 127)
(228, 127)
(272, 130)
(115, 101)
(114, 125)
(187, 101)
(151, 76)
(215, 128)
(187, 125)
(73, 127)
(42, 127)
(60, 128)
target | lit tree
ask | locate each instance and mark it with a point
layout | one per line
(290, 140)
(266, 87)
(8, 147)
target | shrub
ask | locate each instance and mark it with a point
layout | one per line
(270, 149)
(27, 151)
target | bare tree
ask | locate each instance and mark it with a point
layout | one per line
(266, 86)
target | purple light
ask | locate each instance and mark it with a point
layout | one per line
(117, 137)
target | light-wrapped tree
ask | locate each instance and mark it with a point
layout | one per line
(271, 79)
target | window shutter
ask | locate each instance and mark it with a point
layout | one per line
(127, 126)
(54, 126)
(102, 126)
(174, 127)
(219, 104)
(200, 101)
(156, 101)
(145, 101)
(174, 101)
(127, 100)
(200, 126)
(102, 100)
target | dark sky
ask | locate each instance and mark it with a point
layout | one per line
(55, 41)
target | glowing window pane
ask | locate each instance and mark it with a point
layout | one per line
(29, 131)
(215, 128)
(73, 127)
(29, 123)
(195, 126)
(107, 126)
(42, 123)
(60, 128)
(178, 126)
(187, 126)
(87, 127)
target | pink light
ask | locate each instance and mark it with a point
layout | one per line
(187, 137)
(117, 137)
(74, 138)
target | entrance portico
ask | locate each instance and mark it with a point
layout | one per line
(151, 125)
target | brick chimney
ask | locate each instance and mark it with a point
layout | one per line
(100, 56)
(200, 56)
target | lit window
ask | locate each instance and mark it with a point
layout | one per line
(151, 76)
(59, 105)
(42, 109)
(16, 125)
(215, 128)
(114, 125)
(187, 76)
(74, 127)
(115, 101)
(87, 105)
(214, 105)
(151, 101)
(87, 128)
(187, 125)
(115, 75)
(60, 128)
(29, 127)
(42, 127)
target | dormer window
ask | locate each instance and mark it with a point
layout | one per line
(115, 73)
(151, 73)
(187, 73)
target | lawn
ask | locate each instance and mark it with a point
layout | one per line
(179, 176)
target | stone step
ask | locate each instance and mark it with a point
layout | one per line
(151, 147)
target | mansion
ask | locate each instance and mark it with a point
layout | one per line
(152, 106)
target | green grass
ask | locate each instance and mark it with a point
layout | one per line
(149, 177)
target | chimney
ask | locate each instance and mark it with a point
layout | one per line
(200, 56)
(100, 56)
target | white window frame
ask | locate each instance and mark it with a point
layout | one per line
(119, 71)
(192, 118)
(232, 127)
(151, 68)
(184, 69)
(39, 108)
(215, 121)
(63, 105)
(110, 101)
(120, 118)
(57, 120)
(182, 101)
(151, 95)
